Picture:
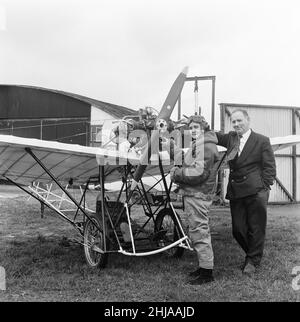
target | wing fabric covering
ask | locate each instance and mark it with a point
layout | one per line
(283, 142)
(70, 161)
(64, 161)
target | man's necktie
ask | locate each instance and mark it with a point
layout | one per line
(235, 149)
(239, 149)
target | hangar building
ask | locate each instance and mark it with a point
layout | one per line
(48, 114)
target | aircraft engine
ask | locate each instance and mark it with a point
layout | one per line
(137, 129)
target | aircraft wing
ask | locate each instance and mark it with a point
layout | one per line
(283, 142)
(221, 149)
(71, 161)
(277, 143)
(64, 161)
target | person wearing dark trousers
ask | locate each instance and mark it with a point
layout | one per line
(252, 171)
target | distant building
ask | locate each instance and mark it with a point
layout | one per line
(48, 114)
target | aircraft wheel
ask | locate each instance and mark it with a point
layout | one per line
(167, 224)
(94, 243)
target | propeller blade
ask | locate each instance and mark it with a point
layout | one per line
(163, 116)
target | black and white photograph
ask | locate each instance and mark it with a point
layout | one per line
(149, 154)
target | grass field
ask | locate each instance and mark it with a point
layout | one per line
(41, 265)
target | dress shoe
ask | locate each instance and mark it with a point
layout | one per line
(204, 276)
(249, 269)
(195, 273)
(201, 280)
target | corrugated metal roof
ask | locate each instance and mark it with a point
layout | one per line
(117, 111)
(238, 105)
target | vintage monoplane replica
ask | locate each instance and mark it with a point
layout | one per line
(36, 165)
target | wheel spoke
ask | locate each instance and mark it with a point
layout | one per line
(94, 243)
(166, 221)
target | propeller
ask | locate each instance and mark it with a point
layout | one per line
(162, 119)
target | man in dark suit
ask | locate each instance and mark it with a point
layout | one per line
(252, 172)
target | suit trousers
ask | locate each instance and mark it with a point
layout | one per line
(199, 232)
(249, 219)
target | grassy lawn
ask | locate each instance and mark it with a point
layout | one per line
(42, 266)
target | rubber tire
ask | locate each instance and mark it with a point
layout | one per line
(93, 258)
(164, 218)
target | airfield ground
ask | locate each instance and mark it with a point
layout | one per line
(41, 265)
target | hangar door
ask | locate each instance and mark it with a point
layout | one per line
(67, 130)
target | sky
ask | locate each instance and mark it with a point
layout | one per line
(129, 52)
